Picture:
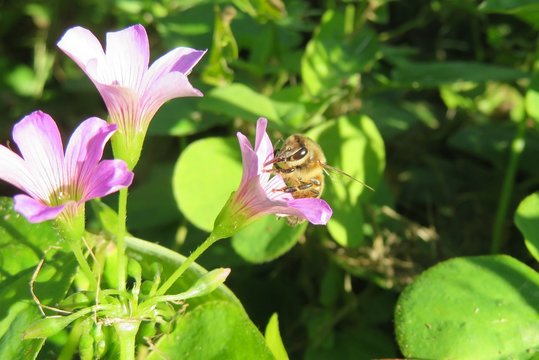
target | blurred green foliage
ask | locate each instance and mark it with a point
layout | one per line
(421, 99)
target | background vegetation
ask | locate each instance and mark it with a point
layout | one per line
(424, 100)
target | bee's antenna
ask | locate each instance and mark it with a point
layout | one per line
(326, 166)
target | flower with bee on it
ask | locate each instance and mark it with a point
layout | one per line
(261, 191)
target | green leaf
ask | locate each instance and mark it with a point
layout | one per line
(527, 10)
(238, 100)
(18, 310)
(353, 145)
(482, 307)
(206, 173)
(335, 53)
(432, 75)
(273, 339)
(182, 117)
(527, 221)
(266, 239)
(215, 330)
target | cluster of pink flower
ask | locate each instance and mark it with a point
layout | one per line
(58, 182)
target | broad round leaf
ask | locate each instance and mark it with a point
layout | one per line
(527, 221)
(484, 307)
(215, 330)
(266, 239)
(206, 173)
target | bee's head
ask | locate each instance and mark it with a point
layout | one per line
(294, 152)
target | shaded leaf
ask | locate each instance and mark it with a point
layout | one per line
(266, 239)
(432, 75)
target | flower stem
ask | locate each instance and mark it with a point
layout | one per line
(120, 238)
(85, 267)
(517, 147)
(191, 259)
(127, 332)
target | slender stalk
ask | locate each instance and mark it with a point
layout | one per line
(71, 227)
(517, 147)
(127, 332)
(191, 259)
(120, 238)
(84, 266)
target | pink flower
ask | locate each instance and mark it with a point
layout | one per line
(132, 92)
(56, 182)
(260, 193)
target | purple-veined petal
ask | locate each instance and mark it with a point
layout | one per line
(128, 55)
(316, 211)
(181, 59)
(34, 210)
(40, 144)
(263, 146)
(249, 159)
(85, 149)
(122, 104)
(108, 176)
(13, 170)
(165, 88)
(85, 49)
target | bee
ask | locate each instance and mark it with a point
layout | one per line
(302, 165)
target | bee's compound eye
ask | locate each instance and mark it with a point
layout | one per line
(300, 154)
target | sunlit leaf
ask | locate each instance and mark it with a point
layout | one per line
(215, 330)
(273, 339)
(335, 53)
(353, 145)
(238, 100)
(206, 173)
(471, 308)
(527, 221)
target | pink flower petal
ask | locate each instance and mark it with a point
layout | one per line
(163, 89)
(316, 211)
(13, 170)
(128, 54)
(108, 177)
(83, 48)
(40, 144)
(263, 146)
(85, 149)
(34, 210)
(249, 159)
(180, 60)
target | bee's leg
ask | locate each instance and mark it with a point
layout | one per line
(303, 186)
(282, 171)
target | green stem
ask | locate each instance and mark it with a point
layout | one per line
(194, 255)
(85, 267)
(127, 332)
(120, 238)
(517, 147)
